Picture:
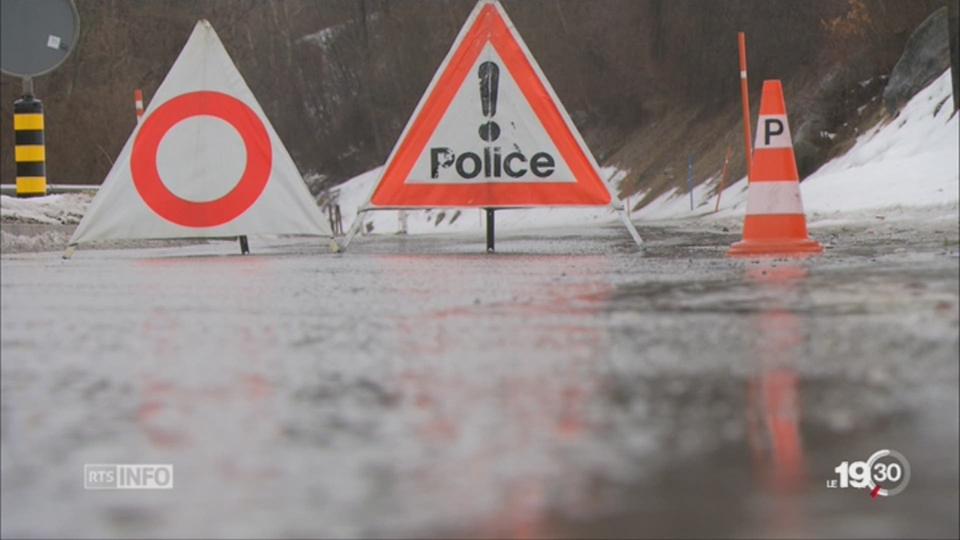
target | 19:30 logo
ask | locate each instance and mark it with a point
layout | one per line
(886, 473)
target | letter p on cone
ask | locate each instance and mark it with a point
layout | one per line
(775, 223)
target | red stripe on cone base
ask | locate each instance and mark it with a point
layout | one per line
(775, 235)
(790, 248)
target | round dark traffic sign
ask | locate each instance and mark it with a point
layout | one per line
(36, 36)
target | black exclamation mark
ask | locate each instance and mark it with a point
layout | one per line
(489, 74)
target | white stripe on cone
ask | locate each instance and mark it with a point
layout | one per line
(774, 198)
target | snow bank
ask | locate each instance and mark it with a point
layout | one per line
(675, 203)
(65, 209)
(49, 240)
(911, 161)
(908, 162)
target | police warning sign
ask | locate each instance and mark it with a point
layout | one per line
(490, 132)
(507, 143)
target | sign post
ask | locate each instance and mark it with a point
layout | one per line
(490, 230)
(36, 38)
(723, 178)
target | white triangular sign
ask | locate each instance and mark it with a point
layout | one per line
(204, 162)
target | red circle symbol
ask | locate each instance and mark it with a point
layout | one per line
(256, 173)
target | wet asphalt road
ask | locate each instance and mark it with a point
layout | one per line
(565, 386)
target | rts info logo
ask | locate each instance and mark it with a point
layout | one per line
(122, 476)
(886, 473)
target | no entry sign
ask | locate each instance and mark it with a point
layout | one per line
(146, 177)
(204, 162)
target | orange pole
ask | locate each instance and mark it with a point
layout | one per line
(745, 91)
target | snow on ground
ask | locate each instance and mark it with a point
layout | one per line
(41, 223)
(65, 209)
(910, 161)
(675, 204)
(49, 240)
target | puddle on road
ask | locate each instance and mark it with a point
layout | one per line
(531, 393)
(748, 450)
(858, 291)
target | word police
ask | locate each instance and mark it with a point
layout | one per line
(493, 164)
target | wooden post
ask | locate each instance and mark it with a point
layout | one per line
(723, 177)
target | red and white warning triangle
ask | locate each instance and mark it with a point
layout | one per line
(490, 132)
(204, 162)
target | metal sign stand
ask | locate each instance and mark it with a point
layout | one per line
(490, 227)
(615, 204)
(35, 39)
(358, 223)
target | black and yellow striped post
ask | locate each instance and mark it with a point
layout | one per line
(30, 152)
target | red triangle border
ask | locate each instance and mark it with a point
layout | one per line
(490, 27)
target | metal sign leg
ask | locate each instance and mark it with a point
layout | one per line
(354, 229)
(490, 230)
(631, 228)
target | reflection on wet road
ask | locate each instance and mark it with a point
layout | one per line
(563, 387)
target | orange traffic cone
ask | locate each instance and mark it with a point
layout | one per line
(775, 223)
